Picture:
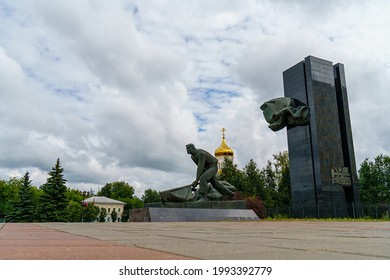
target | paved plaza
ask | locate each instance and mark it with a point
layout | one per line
(270, 240)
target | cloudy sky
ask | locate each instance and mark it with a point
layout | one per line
(116, 89)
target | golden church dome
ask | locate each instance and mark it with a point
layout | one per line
(223, 149)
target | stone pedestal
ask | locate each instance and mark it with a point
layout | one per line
(162, 214)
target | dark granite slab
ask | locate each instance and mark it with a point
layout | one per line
(160, 214)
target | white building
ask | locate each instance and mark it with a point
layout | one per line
(109, 204)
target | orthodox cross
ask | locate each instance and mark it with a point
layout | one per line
(223, 132)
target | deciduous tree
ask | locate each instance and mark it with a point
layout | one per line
(374, 180)
(151, 196)
(282, 172)
(73, 211)
(90, 212)
(117, 190)
(8, 197)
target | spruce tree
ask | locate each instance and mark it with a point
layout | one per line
(254, 181)
(233, 175)
(114, 215)
(24, 207)
(53, 201)
(102, 215)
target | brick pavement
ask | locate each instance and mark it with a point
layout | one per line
(20, 241)
(272, 240)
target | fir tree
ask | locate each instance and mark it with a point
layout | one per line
(254, 181)
(233, 175)
(114, 215)
(24, 207)
(53, 201)
(102, 215)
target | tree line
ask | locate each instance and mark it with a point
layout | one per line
(53, 201)
(270, 188)
(271, 184)
(264, 188)
(261, 188)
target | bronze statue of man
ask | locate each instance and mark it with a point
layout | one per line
(206, 172)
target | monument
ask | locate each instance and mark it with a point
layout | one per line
(205, 199)
(322, 161)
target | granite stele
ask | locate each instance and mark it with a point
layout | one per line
(322, 160)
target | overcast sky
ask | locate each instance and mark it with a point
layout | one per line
(116, 89)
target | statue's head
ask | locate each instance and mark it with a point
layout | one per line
(190, 148)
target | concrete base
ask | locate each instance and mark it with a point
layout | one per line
(190, 215)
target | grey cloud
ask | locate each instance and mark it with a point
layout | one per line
(116, 94)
